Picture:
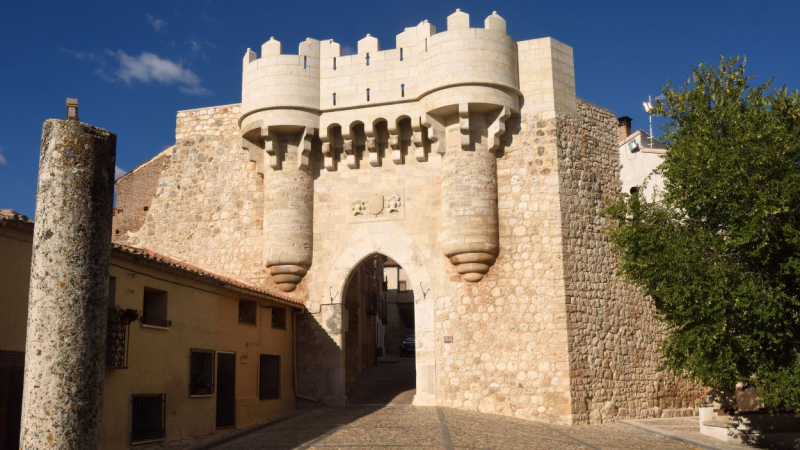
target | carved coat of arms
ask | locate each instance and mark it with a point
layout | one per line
(375, 204)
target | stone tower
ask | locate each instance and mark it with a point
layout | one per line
(466, 157)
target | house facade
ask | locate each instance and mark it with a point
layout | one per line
(205, 351)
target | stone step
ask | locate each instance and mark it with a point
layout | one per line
(720, 424)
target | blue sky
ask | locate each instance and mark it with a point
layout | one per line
(132, 65)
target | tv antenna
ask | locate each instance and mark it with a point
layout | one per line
(648, 105)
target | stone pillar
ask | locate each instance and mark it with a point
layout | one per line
(470, 236)
(289, 211)
(68, 306)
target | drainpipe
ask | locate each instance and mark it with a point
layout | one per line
(294, 360)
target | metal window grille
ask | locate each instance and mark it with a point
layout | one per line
(156, 322)
(117, 336)
(201, 372)
(269, 377)
(149, 415)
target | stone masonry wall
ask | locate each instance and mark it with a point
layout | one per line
(613, 334)
(135, 191)
(509, 336)
(208, 206)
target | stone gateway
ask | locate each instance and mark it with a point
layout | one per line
(466, 158)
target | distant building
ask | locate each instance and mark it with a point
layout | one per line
(639, 156)
(399, 306)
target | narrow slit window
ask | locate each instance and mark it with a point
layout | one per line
(305, 62)
(334, 99)
(334, 63)
(367, 94)
(402, 90)
(367, 58)
(401, 53)
(426, 44)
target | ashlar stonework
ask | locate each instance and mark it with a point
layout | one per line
(465, 157)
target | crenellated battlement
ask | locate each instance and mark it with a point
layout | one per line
(319, 77)
(426, 73)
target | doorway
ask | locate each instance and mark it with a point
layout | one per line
(12, 372)
(379, 341)
(226, 389)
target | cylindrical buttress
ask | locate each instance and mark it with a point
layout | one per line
(288, 221)
(469, 204)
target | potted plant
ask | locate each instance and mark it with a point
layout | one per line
(128, 315)
(201, 385)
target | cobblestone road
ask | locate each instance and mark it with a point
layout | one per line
(380, 417)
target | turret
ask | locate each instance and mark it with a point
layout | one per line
(448, 93)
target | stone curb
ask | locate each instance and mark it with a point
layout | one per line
(668, 436)
(244, 432)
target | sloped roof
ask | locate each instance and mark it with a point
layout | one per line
(9, 217)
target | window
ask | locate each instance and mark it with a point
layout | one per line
(401, 285)
(334, 99)
(367, 58)
(269, 377)
(112, 291)
(248, 309)
(148, 417)
(279, 318)
(155, 308)
(401, 53)
(367, 94)
(334, 63)
(201, 372)
(402, 90)
(305, 62)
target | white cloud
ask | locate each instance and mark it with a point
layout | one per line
(118, 172)
(149, 67)
(155, 22)
(3, 161)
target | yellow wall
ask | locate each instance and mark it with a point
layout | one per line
(158, 359)
(15, 275)
(203, 316)
(252, 341)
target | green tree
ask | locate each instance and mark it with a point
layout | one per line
(719, 252)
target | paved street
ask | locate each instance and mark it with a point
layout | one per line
(380, 416)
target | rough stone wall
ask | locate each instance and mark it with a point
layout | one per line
(208, 206)
(613, 334)
(509, 337)
(135, 192)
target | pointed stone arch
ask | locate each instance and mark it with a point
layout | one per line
(390, 241)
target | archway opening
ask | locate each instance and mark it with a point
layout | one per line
(379, 341)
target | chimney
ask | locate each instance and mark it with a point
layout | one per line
(623, 127)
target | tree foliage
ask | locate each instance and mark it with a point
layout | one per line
(719, 251)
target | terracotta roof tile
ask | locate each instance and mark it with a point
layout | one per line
(145, 255)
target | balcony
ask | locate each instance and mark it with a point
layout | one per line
(156, 322)
(117, 345)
